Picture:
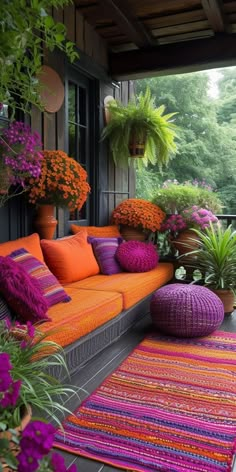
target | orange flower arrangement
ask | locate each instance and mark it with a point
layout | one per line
(136, 212)
(62, 182)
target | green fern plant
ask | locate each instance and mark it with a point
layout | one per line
(140, 118)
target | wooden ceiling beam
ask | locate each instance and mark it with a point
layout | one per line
(215, 15)
(127, 22)
(199, 54)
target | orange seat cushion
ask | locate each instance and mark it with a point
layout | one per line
(98, 231)
(30, 243)
(133, 287)
(85, 312)
(70, 259)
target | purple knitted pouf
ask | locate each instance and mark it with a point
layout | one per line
(186, 310)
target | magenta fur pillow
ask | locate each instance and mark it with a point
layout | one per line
(51, 289)
(136, 256)
(104, 250)
(21, 292)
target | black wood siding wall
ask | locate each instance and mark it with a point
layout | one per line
(109, 184)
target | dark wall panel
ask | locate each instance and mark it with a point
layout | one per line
(110, 185)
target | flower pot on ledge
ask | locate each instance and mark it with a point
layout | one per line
(45, 222)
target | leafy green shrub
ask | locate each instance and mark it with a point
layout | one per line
(176, 198)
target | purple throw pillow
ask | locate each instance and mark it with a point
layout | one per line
(22, 292)
(136, 256)
(51, 288)
(104, 250)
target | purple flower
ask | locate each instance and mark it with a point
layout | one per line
(58, 463)
(5, 382)
(28, 460)
(11, 396)
(40, 434)
(5, 364)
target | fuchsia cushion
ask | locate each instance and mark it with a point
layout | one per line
(22, 292)
(136, 256)
(104, 250)
(51, 288)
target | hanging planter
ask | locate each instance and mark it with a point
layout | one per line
(139, 129)
(137, 146)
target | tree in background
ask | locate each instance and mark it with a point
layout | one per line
(207, 142)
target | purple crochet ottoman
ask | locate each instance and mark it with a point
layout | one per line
(186, 310)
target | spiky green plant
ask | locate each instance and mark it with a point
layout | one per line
(215, 256)
(31, 355)
(141, 118)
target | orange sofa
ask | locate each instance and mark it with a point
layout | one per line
(102, 307)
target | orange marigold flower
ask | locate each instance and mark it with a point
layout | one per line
(138, 213)
(63, 182)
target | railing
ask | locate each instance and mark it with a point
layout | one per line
(229, 219)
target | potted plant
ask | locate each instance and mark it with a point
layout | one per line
(215, 257)
(62, 183)
(25, 384)
(20, 159)
(179, 228)
(137, 218)
(174, 197)
(138, 129)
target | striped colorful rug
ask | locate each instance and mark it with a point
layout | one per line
(170, 406)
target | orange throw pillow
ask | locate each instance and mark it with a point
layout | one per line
(98, 231)
(70, 259)
(30, 243)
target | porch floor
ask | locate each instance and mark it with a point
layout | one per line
(93, 374)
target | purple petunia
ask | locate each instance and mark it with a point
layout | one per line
(40, 435)
(20, 152)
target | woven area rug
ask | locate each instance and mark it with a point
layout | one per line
(170, 406)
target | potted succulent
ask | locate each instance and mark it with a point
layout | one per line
(137, 218)
(139, 129)
(215, 257)
(25, 384)
(62, 183)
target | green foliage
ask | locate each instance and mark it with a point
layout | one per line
(26, 29)
(176, 198)
(207, 136)
(148, 124)
(146, 181)
(30, 363)
(216, 256)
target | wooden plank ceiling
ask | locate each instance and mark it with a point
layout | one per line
(150, 37)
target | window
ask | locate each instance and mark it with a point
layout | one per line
(79, 130)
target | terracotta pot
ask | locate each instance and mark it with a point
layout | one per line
(26, 417)
(227, 298)
(45, 222)
(132, 234)
(184, 244)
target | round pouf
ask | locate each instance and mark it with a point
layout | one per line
(186, 310)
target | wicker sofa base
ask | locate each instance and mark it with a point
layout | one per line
(83, 350)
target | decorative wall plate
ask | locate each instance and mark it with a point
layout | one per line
(107, 100)
(52, 89)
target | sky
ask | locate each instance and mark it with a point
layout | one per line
(214, 75)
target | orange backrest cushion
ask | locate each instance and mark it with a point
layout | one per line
(70, 259)
(98, 231)
(30, 243)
